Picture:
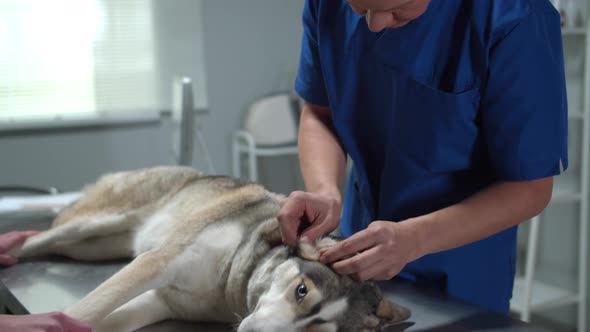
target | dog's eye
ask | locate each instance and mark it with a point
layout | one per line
(300, 292)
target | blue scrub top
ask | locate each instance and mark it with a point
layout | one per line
(470, 93)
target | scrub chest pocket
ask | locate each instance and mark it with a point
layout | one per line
(436, 129)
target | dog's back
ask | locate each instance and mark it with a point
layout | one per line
(124, 191)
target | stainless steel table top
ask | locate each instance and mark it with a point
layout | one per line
(52, 284)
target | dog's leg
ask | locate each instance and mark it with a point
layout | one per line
(113, 246)
(146, 309)
(156, 268)
(83, 228)
(149, 270)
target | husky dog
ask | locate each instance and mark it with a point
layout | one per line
(204, 249)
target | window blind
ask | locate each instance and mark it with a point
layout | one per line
(64, 57)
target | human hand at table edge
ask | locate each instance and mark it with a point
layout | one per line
(49, 322)
(10, 240)
(378, 252)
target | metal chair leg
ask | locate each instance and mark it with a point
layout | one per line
(531, 261)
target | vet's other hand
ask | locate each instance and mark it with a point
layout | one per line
(318, 213)
(10, 240)
(377, 253)
(51, 322)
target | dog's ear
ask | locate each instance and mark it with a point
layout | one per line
(391, 313)
(311, 251)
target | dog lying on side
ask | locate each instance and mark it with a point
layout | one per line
(205, 249)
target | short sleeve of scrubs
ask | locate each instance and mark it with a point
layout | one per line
(310, 82)
(524, 105)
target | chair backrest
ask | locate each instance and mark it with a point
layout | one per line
(273, 120)
(183, 120)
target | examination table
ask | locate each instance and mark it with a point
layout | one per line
(52, 284)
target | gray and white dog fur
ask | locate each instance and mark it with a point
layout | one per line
(204, 249)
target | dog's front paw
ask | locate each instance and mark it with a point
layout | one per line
(11, 243)
(28, 248)
(16, 251)
(82, 315)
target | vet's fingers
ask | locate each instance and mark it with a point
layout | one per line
(380, 271)
(289, 217)
(373, 272)
(70, 324)
(358, 263)
(356, 243)
(8, 260)
(317, 229)
(322, 251)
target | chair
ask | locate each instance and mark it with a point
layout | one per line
(270, 129)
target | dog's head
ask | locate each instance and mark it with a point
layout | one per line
(303, 295)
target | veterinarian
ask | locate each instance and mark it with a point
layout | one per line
(50, 322)
(454, 114)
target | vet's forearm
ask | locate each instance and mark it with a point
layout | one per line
(321, 157)
(499, 207)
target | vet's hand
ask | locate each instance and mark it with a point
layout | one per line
(51, 322)
(377, 253)
(320, 213)
(9, 241)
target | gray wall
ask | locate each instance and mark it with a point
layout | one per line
(180, 52)
(71, 158)
(251, 50)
